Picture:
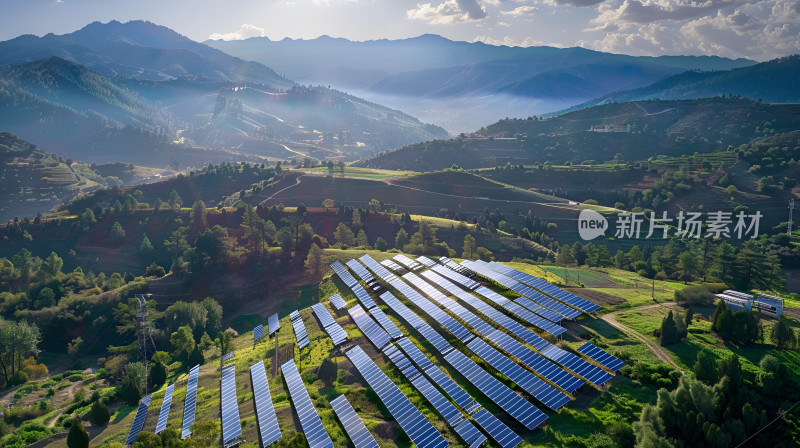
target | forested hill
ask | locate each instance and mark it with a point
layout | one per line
(670, 128)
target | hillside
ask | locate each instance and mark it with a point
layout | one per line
(774, 81)
(668, 128)
(460, 85)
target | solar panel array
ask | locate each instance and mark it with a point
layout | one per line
(138, 421)
(334, 330)
(376, 267)
(369, 327)
(165, 405)
(536, 362)
(353, 424)
(536, 387)
(433, 311)
(516, 406)
(231, 425)
(258, 332)
(408, 262)
(601, 356)
(273, 323)
(341, 271)
(299, 329)
(455, 266)
(315, 432)
(501, 433)
(190, 403)
(456, 277)
(386, 323)
(415, 322)
(228, 356)
(416, 426)
(452, 416)
(548, 288)
(591, 372)
(363, 297)
(361, 271)
(393, 266)
(338, 302)
(268, 430)
(426, 261)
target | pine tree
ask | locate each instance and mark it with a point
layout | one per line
(669, 330)
(77, 437)
(146, 246)
(99, 414)
(782, 333)
(470, 247)
(401, 239)
(361, 239)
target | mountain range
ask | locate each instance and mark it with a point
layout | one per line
(462, 86)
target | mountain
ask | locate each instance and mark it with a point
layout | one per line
(180, 103)
(461, 85)
(647, 129)
(775, 81)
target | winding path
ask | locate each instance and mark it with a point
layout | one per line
(657, 350)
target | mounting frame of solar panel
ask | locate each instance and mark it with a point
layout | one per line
(334, 330)
(190, 402)
(604, 358)
(269, 431)
(165, 405)
(353, 425)
(313, 430)
(421, 432)
(229, 407)
(138, 421)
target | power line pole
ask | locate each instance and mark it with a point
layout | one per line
(143, 334)
(791, 209)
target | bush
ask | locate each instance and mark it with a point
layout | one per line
(695, 295)
(19, 378)
(78, 437)
(99, 415)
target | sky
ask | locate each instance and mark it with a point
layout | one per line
(754, 29)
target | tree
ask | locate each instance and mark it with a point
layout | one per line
(356, 218)
(329, 203)
(401, 239)
(157, 205)
(314, 259)
(183, 340)
(564, 256)
(87, 217)
(224, 342)
(145, 247)
(158, 373)
(782, 333)
(77, 437)
(688, 317)
(669, 331)
(154, 270)
(745, 327)
(18, 341)
(130, 385)
(174, 200)
(99, 414)
(147, 439)
(705, 369)
(117, 233)
(343, 235)
(381, 244)
(725, 324)
(45, 299)
(361, 239)
(51, 266)
(256, 230)
(470, 247)
(199, 212)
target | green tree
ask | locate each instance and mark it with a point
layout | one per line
(199, 212)
(18, 341)
(99, 414)
(157, 205)
(669, 330)
(87, 217)
(725, 325)
(117, 233)
(564, 256)
(745, 327)
(154, 270)
(782, 333)
(705, 369)
(147, 439)
(145, 247)
(158, 373)
(77, 437)
(343, 235)
(45, 299)
(361, 239)
(183, 340)
(381, 244)
(401, 239)
(484, 254)
(51, 266)
(470, 247)
(224, 342)
(174, 200)
(314, 259)
(132, 382)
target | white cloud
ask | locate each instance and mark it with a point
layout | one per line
(245, 32)
(511, 42)
(521, 11)
(450, 11)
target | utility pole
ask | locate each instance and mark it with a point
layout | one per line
(653, 291)
(791, 209)
(143, 334)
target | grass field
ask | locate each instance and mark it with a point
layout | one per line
(357, 172)
(588, 278)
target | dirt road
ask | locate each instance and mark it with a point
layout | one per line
(657, 350)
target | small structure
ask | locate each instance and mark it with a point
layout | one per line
(610, 128)
(764, 303)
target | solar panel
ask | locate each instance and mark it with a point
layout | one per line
(353, 424)
(334, 330)
(548, 288)
(274, 323)
(369, 327)
(363, 297)
(165, 405)
(456, 277)
(536, 362)
(472, 435)
(432, 310)
(386, 323)
(315, 432)
(426, 261)
(427, 332)
(376, 267)
(341, 271)
(138, 421)
(299, 329)
(190, 403)
(258, 332)
(416, 426)
(338, 302)
(591, 372)
(268, 430)
(393, 266)
(536, 387)
(361, 271)
(407, 262)
(601, 356)
(229, 405)
(501, 433)
(519, 408)
(228, 356)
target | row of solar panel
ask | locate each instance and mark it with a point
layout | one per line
(341, 271)
(377, 335)
(334, 330)
(300, 331)
(361, 271)
(548, 288)
(412, 265)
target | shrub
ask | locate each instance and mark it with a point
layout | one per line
(695, 295)
(99, 415)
